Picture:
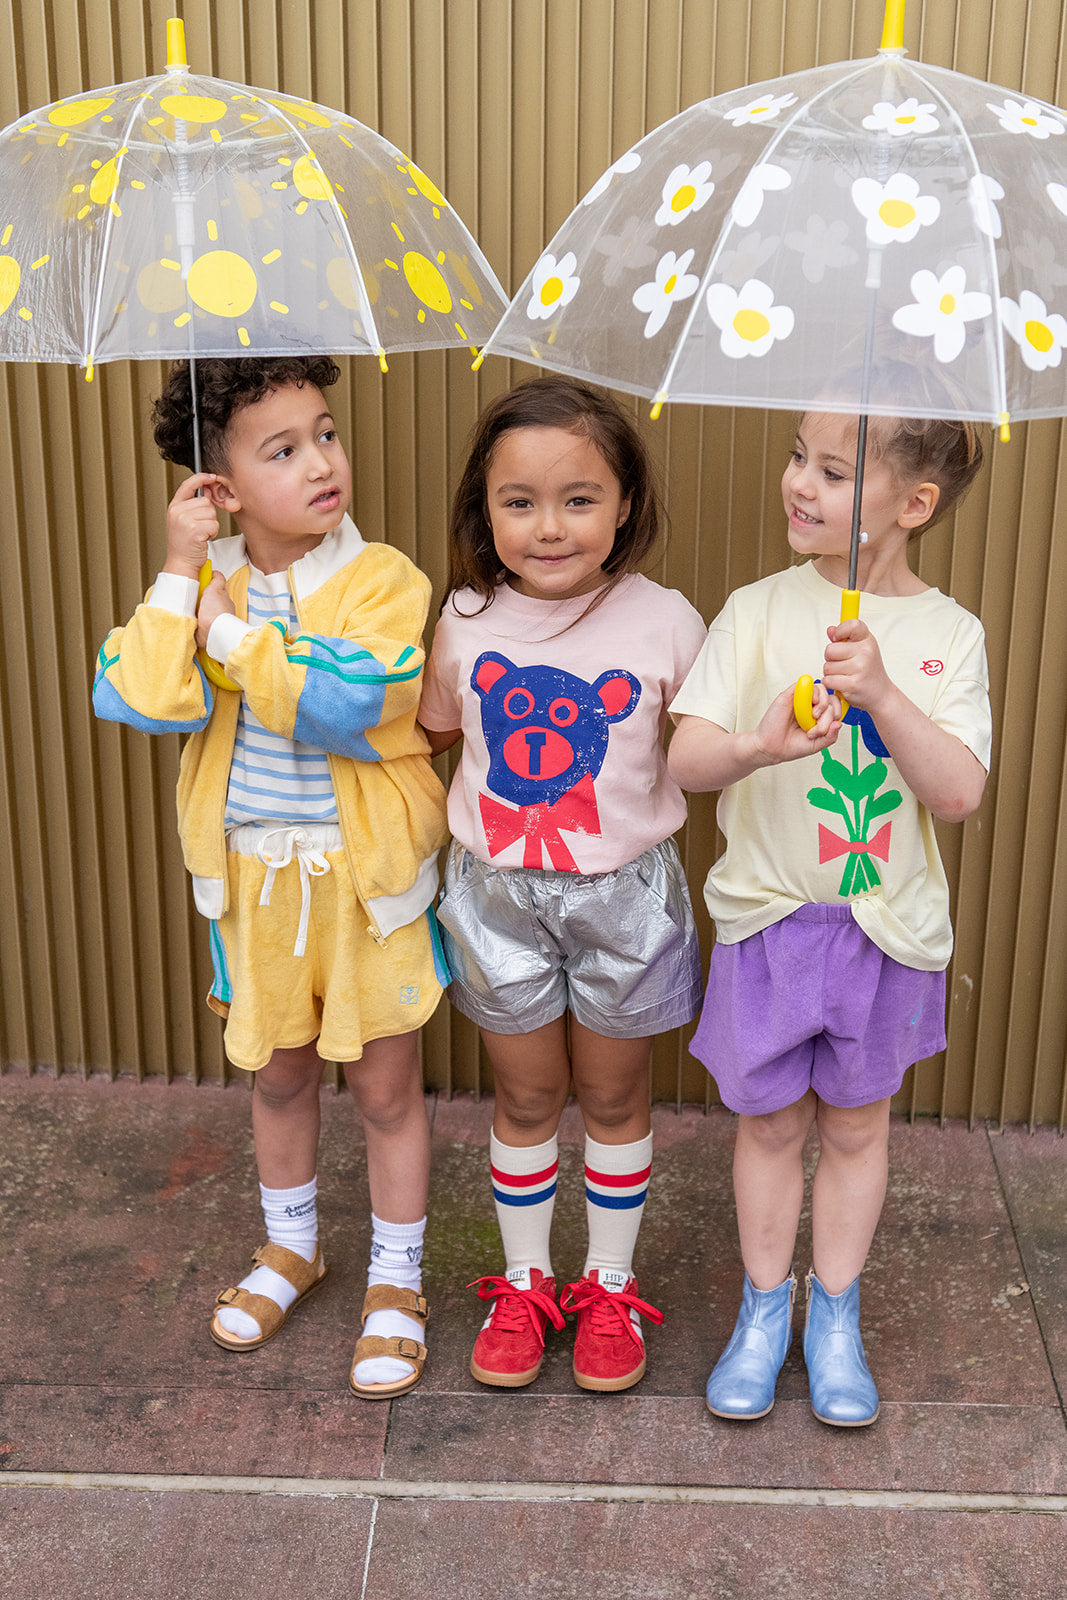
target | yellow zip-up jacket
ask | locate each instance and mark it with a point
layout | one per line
(348, 683)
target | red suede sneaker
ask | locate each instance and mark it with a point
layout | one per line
(511, 1346)
(609, 1349)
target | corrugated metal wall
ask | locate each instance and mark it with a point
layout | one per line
(514, 107)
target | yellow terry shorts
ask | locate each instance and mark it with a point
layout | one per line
(344, 990)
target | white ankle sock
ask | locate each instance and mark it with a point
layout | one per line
(395, 1257)
(292, 1220)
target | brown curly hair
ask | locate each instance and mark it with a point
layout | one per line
(223, 387)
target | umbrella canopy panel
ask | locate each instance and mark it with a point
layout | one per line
(184, 214)
(866, 236)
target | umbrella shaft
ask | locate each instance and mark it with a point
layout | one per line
(196, 416)
(857, 501)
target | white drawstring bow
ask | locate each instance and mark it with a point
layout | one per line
(312, 864)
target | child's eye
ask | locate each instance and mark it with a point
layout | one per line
(579, 500)
(285, 451)
(517, 505)
(797, 457)
(833, 477)
(329, 435)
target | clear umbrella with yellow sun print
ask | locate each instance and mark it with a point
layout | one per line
(873, 236)
(183, 214)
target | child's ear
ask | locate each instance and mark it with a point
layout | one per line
(221, 494)
(921, 505)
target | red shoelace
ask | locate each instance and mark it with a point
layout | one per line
(516, 1307)
(606, 1309)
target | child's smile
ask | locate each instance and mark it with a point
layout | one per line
(818, 487)
(555, 506)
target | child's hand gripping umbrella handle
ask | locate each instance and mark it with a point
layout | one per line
(804, 692)
(212, 669)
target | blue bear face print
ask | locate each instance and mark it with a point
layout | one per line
(545, 728)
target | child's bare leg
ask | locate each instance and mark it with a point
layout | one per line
(769, 1191)
(531, 1081)
(611, 1082)
(849, 1189)
(285, 1117)
(285, 1125)
(769, 1188)
(386, 1088)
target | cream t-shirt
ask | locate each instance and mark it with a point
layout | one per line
(841, 825)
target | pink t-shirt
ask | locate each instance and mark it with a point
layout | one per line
(563, 766)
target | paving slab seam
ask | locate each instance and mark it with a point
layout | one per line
(1021, 1247)
(653, 1494)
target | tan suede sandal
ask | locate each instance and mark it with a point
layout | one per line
(389, 1297)
(304, 1276)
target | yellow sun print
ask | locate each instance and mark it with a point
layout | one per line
(426, 283)
(222, 283)
(72, 113)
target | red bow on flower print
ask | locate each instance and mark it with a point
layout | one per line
(831, 845)
(540, 825)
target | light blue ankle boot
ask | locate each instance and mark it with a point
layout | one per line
(842, 1389)
(742, 1384)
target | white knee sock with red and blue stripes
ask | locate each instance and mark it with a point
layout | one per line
(616, 1182)
(524, 1189)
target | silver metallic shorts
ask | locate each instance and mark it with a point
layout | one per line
(617, 949)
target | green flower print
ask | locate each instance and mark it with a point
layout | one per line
(852, 793)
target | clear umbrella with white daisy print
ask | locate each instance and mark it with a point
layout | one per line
(872, 237)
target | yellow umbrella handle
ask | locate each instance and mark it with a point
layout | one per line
(212, 670)
(804, 692)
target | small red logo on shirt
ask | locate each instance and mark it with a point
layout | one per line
(932, 668)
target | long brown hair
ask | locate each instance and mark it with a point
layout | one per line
(552, 402)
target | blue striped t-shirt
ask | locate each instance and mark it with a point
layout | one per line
(274, 779)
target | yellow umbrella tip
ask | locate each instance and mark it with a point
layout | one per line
(176, 56)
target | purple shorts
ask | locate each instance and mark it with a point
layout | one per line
(812, 1003)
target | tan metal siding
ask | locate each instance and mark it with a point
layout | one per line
(514, 107)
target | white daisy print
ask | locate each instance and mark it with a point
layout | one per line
(749, 320)
(555, 284)
(1040, 335)
(983, 191)
(894, 210)
(1058, 195)
(821, 245)
(1029, 117)
(685, 190)
(673, 282)
(761, 110)
(909, 117)
(943, 306)
(627, 163)
(746, 207)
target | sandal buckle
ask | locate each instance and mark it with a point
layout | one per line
(226, 1297)
(409, 1348)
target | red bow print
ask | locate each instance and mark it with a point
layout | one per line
(540, 825)
(831, 846)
